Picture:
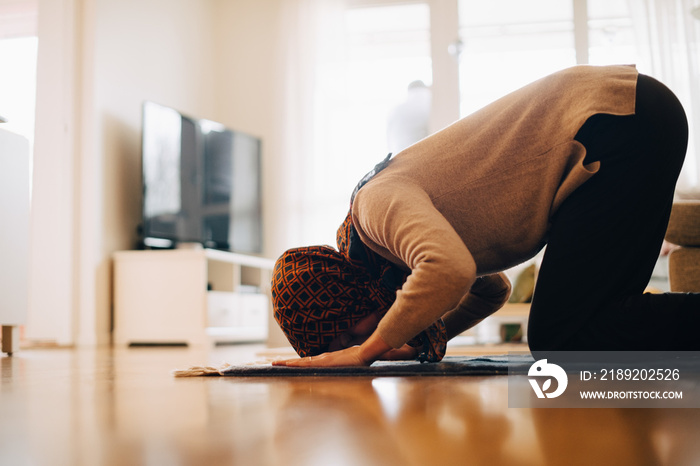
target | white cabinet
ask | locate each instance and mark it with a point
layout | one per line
(14, 236)
(190, 296)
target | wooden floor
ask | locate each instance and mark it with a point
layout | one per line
(123, 407)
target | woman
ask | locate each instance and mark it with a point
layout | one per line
(584, 161)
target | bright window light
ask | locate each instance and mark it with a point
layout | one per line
(507, 44)
(383, 49)
(18, 84)
(610, 33)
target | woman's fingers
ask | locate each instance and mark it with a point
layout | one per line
(347, 357)
(297, 362)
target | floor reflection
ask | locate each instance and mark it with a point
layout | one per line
(121, 407)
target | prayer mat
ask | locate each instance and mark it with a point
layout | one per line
(449, 366)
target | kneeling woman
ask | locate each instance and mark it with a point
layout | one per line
(584, 161)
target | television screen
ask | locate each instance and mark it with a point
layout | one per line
(201, 183)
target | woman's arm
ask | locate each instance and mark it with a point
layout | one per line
(487, 295)
(400, 222)
(364, 355)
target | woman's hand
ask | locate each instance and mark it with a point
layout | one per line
(348, 357)
(345, 357)
(364, 355)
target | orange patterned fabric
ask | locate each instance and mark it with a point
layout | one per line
(319, 293)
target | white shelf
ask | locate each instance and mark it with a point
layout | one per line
(194, 297)
(240, 259)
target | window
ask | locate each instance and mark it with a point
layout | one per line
(362, 74)
(18, 84)
(505, 44)
(385, 49)
(18, 54)
(502, 45)
(611, 33)
(379, 47)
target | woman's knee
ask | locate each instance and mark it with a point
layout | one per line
(543, 339)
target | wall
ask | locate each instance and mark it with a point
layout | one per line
(99, 60)
(248, 80)
(159, 50)
(52, 284)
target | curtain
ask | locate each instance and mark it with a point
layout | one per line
(668, 38)
(309, 37)
(343, 70)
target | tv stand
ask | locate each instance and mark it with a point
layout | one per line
(190, 296)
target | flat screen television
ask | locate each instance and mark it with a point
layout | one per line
(201, 183)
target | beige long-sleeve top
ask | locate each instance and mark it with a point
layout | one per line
(477, 197)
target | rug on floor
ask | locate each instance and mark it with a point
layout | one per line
(449, 366)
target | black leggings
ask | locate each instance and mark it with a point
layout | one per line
(605, 238)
